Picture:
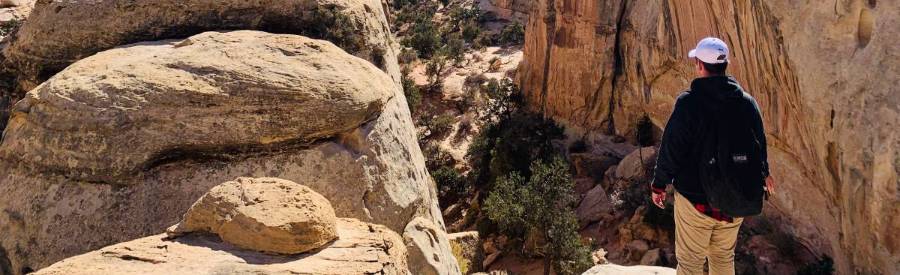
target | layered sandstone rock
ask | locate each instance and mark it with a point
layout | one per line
(172, 96)
(261, 223)
(59, 33)
(517, 10)
(263, 214)
(363, 248)
(254, 106)
(601, 66)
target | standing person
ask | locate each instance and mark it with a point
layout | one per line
(714, 153)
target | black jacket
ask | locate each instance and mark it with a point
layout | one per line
(678, 159)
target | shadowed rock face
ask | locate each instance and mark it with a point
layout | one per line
(823, 73)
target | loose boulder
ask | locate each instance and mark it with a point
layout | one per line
(263, 214)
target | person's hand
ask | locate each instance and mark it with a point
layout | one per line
(770, 185)
(659, 199)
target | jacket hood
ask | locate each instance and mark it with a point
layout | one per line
(717, 88)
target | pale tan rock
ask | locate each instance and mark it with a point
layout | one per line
(601, 65)
(362, 249)
(241, 89)
(651, 257)
(599, 256)
(57, 32)
(263, 214)
(468, 250)
(612, 269)
(373, 171)
(507, 9)
(637, 165)
(595, 205)
(427, 243)
(14, 11)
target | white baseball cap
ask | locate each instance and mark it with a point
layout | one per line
(710, 50)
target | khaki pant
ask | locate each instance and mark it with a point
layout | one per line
(699, 237)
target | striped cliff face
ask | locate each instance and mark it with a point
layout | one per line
(602, 66)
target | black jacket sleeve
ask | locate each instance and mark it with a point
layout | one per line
(760, 132)
(675, 145)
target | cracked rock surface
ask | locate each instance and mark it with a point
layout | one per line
(363, 248)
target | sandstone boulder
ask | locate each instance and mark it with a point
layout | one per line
(637, 165)
(427, 243)
(174, 97)
(58, 33)
(601, 65)
(595, 205)
(362, 249)
(263, 214)
(364, 159)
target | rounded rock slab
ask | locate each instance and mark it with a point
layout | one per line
(127, 110)
(263, 214)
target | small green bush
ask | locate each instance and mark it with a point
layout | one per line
(425, 37)
(8, 27)
(456, 48)
(451, 185)
(412, 92)
(329, 23)
(544, 204)
(512, 34)
(441, 125)
(436, 66)
(471, 31)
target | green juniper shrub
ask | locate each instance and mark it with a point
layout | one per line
(523, 139)
(329, 23)
(434, 157)
(511, 144)
(436, 66)
(8, 27)
(542, 204)
(504, 98)
(512, 34)
(425, 37)
(451, 185)
(441, 125)
(456, 48)
(411, 91)
(470, 31)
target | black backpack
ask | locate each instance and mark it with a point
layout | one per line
(731, 168)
